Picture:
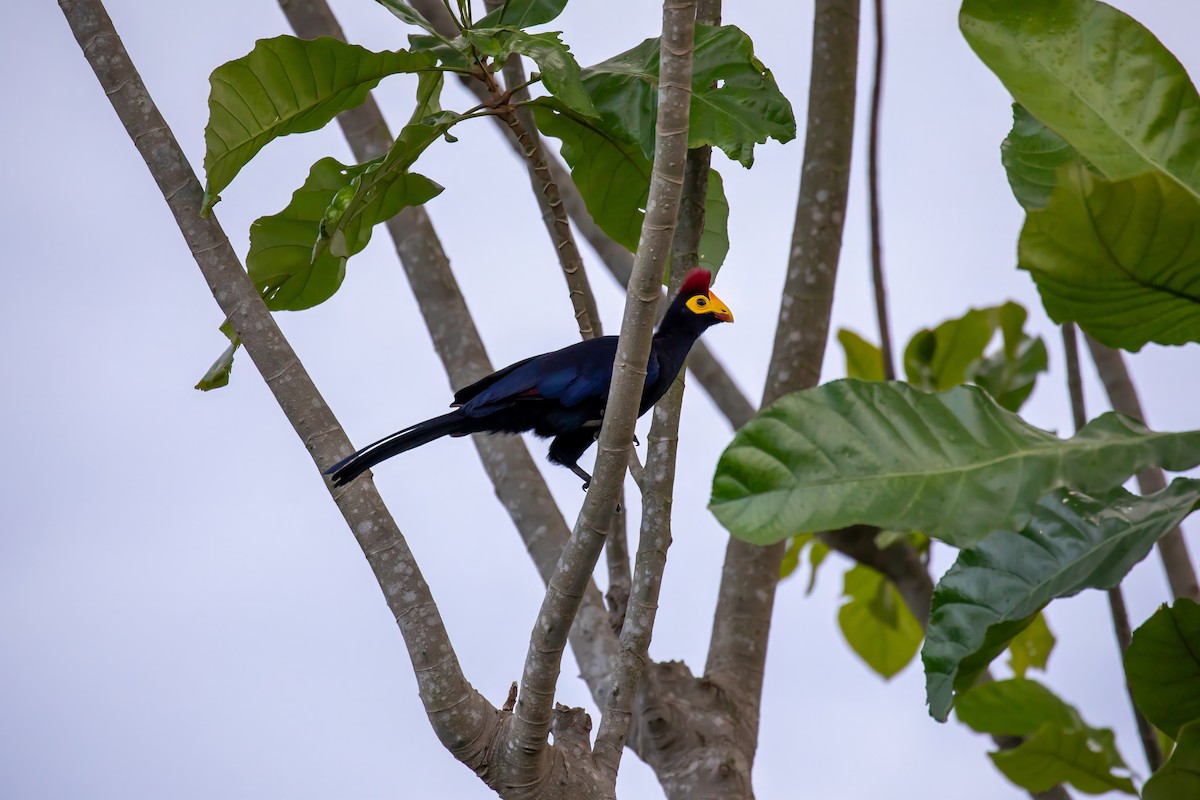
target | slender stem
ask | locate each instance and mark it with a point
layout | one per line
(1172, 549)
(1116, 598)
(531, 721)
(881, 309)
(654, 537)
(457, 712)
(456, 339)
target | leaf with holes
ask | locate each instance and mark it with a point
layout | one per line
(1121, 259)
(876, 622)
(287, 85)
(1096, 77)
(954, 465)
(996, 588)
(1163, 666)
(613, 177)
(735, 100)
(281, 262)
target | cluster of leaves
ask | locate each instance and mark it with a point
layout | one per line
(604, 116)
(1103, 156)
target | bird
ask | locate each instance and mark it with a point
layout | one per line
(559, 394)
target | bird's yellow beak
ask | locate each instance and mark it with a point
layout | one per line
(719, 309)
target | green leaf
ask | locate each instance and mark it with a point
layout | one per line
(1162, 666)
(791, 556)
(1009, 374)
(876, 622)
(429, 95)
(281, 262)
(383, 184)
(996, 588)
(218, 374)
(406, 13)
(559, 71)
(1098, 78)
(1179, 778)
(735, 100)
(1053, 755)
(286, 85)
(613, 177)
(864, 360)
(954, 465)
(450, 53)
(1120, 259)
(1015, 707)
(1031, 155)
(523, 13)
(1031, 647)
(816, 557)
(938, 359)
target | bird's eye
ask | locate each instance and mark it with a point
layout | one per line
(701, 302)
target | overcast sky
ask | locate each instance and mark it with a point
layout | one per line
(182, 611)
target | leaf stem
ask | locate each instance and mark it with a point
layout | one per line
(881, 309)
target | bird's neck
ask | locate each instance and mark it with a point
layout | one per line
(672, 342)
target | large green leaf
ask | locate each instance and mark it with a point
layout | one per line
(954, 465)
(1121, 259)
(286, 85)
(613, 177)
(996, 588)
(735, 100)
(876, 622)
(359, 202)
(1031, 648)
(1162, 666)
(559, 71)
(523, 13)
(1032, 154)
(1096, 77)
(1053, 755)
(1179, 778)
(281, 262)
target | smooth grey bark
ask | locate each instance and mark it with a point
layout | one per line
(1172, 549)
(519, 485)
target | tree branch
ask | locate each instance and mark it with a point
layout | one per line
(1172, 549)
(519, 485)
(1116, 598)
(657, 492)
(746, 598)
(461, 717)
(881, 309)
(531, 721)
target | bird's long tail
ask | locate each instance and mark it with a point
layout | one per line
(351, 467)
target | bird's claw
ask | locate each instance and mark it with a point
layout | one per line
(636, 443)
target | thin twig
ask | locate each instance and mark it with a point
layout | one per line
(1172, 549)
(1116, 598)
(531, 723)
(881, 309)
(519, 485)
(456, 711)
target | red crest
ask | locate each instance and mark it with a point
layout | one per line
(696, 282)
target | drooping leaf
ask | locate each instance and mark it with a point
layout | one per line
(1098, 78)
(280, 260)
(1031, 155)
(877, 623)
(954, 465)
(523, 13)
(1121, 259)
(406, 13)
(816, 557)
(559, 70)
(1162, 666)
(735, 100)
(429, 95)
(613, 177)
(864, 360)
(1031, 647)
(996, 588)
(361, 202)
(1015, 707)
(218, 374)
(287, 85)
(791, 556)
(450, 53)
(1053, 755)
(1179, 777)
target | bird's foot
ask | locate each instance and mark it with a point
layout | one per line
(636, 443)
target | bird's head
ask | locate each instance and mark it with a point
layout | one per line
(697, 301)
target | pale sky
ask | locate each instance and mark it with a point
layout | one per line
(183, 612)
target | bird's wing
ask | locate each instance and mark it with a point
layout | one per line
(570, 376)
(465, 394)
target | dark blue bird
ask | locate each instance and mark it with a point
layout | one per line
(560, 394)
